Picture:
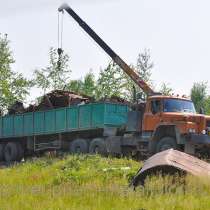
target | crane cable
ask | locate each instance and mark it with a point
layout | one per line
(60, 39)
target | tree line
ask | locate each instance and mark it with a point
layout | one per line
(112, 81)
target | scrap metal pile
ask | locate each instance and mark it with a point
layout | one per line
(52, 100)
(58, 99)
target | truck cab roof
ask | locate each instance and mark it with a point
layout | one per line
(169, 97)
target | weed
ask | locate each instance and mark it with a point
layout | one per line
(85, 182)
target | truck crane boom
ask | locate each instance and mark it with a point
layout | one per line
(123, 65)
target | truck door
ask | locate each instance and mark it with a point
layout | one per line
(152, 116)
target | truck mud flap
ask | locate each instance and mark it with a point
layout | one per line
(171, 162)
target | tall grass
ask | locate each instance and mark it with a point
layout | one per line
(95, 183)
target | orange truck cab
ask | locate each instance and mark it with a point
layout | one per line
(172, 122)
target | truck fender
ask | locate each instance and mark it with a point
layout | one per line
(163, 130)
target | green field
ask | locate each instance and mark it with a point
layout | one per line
(92, 182)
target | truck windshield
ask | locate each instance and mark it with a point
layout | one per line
(176, 105)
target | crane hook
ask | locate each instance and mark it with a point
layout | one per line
(60, 52)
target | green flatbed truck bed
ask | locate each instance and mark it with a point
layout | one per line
(63, 120)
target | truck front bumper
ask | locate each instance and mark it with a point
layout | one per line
(199, 138)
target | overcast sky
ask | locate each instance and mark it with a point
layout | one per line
(177, 33)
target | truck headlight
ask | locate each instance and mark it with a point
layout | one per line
(203, 132)
(191, 130)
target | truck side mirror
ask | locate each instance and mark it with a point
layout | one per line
(201, 111)
(139, 96)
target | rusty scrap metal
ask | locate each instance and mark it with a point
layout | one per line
(61, 98)
(58, 99)
(114, 99)
(16, 108)
(170, 162)
(54, 99)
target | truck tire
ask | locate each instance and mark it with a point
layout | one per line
(166, 143)
(11, 152)
(97, 146)
(2, 152)
(79, 146)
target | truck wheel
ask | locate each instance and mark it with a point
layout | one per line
(2, 152)
(166, 143)
(97, 146)
(11, 152)
(79, 146)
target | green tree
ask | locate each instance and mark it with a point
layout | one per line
(143, 68)
(199, 95)
(84, 86)
(75, 86)
(166, 90)
(144, 65)
(13, 85)
(207, 105)
(56, 74)
(89, 84)
(111, 82)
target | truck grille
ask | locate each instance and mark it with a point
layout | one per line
(208, 123)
